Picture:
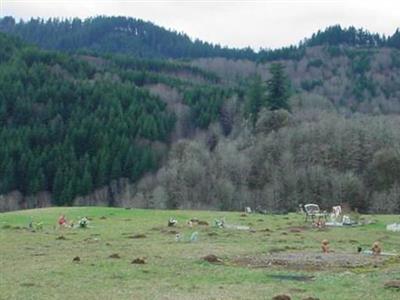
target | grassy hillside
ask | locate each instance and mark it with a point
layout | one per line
(39, 263)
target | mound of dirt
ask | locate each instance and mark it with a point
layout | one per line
(310, 260)
(114, 255)
(200, 222)
(281, 297)
(61, 237)
(139, 261)
(76, 259)
(138, 236)
(103, 218)
(211, 258)
(297, 229)
(393, 284)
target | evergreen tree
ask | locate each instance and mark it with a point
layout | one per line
(255, 99)
(278, 88)
(9, 181)
(86, 184)
(58, 187)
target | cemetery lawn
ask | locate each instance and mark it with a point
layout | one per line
(38, 263)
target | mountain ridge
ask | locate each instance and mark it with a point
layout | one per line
(146, 39)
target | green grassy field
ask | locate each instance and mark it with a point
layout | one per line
(38, 265)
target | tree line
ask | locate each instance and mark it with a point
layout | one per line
(146, 40)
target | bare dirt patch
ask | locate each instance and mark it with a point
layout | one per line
(211, 258)
(395, 284)
(138, 236)
(166, 231)
(139, 261)
(204, 223)
(297, 229)
(310, 261)
(281, 297)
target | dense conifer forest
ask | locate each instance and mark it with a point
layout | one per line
(69, 126)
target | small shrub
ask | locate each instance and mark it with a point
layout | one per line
(316, 63)
(309, 85)
(334, 51)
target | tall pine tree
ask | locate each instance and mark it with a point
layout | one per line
(255, 99)
(278, 88)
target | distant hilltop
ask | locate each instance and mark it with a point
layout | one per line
(144, 39)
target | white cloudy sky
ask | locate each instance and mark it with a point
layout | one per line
(254, 23)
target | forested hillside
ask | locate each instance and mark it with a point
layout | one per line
(317, 122)
(144, 39)
(354, 79)
(71, 124)
(116, 35)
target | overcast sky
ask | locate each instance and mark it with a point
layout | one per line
(254, 23)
